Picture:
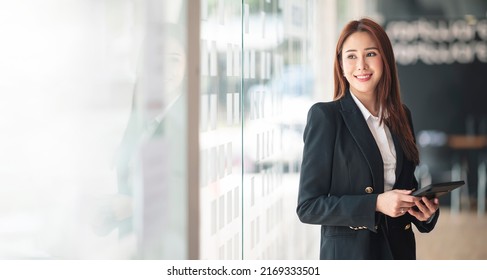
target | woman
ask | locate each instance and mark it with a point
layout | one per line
(360, 155)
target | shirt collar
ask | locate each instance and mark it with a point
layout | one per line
(362, 108)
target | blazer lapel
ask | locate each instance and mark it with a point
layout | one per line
(356, 124)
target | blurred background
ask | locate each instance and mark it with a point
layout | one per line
(152, 129)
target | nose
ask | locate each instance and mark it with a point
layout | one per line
(361, 64)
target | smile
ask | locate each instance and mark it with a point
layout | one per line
(363, 78)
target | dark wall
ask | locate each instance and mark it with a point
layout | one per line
(449, 97)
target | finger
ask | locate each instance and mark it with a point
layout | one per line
(426, 201)
(409, 198)
(430, 204)
(403, 191)
(401, 211)
(407, 205)
(417, 214)
(421, 207)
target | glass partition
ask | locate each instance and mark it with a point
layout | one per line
(258, 65)
(95, 127)
(93, 130)
(277, 90)
(221, 208)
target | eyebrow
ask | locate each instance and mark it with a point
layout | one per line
(367, 49)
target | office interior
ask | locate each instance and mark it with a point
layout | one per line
(153, 129)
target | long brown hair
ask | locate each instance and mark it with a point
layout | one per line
(388, 92)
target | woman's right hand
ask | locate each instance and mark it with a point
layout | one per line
(395, 203)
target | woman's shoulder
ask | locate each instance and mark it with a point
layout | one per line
(324, 112)
(330, 107)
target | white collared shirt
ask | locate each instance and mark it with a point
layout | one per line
(384, 141)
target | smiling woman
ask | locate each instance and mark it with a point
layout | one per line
(359, 157)
(362, 66)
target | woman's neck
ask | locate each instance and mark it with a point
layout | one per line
(370, 102)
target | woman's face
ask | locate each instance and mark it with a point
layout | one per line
(362, 63)
(174, 66)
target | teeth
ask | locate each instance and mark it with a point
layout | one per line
(363, 76)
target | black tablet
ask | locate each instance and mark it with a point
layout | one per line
(438, 189)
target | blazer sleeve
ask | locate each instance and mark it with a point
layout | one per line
(429, 225)
(316, 204)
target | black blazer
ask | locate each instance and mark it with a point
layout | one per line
(342, 174)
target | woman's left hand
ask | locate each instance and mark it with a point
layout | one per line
(426, 209)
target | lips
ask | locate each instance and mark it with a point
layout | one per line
(363, 78)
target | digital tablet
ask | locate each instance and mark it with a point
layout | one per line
(438, 189)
